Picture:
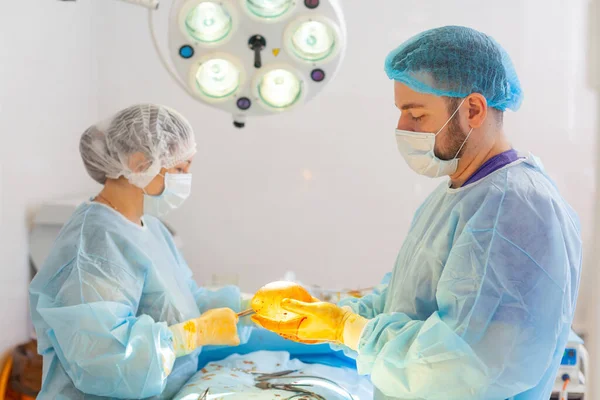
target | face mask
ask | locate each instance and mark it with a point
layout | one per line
(417, 148)
(177, 189)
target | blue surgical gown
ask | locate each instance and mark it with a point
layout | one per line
(482, 297)
(102, 303)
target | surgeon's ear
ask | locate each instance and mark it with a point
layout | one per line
(477, 110)
(137, 162)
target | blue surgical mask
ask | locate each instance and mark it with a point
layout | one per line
(418, 150)
(177, 189)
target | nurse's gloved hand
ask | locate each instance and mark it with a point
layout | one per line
(316, 322)
(216, 327)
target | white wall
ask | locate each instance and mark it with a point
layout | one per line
(253, 214)
(47, 97)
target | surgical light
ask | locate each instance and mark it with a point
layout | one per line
(254, 57)
(279, 89)
(251, 57)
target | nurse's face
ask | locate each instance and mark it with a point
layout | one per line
(157, 186)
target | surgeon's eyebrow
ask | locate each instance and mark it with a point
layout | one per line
(409, 106)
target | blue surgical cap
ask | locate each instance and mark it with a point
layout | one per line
(455, 61)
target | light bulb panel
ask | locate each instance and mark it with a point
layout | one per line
(234, 48)
(203, 78)
(206, 23)
(313, 39)
(279, 87)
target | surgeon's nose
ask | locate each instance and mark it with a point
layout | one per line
(405, 123)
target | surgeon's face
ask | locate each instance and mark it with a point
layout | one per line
(157, 186)
(428, 113)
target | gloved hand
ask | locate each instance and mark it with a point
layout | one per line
(267, 300)
(316, 322)
(215, 327)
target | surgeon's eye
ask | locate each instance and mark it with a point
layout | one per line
(417, 119)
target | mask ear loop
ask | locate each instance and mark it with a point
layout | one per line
(452, 116)
(165, 180)
(463, 144)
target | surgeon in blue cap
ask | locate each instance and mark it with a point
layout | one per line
(481, 300)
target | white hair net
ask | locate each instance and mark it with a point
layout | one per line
(136, 143)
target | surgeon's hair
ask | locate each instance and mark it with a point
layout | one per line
(454, 102)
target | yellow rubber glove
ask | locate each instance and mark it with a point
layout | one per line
(316, 322)
(267, 300)
(216, 327)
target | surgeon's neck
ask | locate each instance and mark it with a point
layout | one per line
(477, 153)
(126, 198)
